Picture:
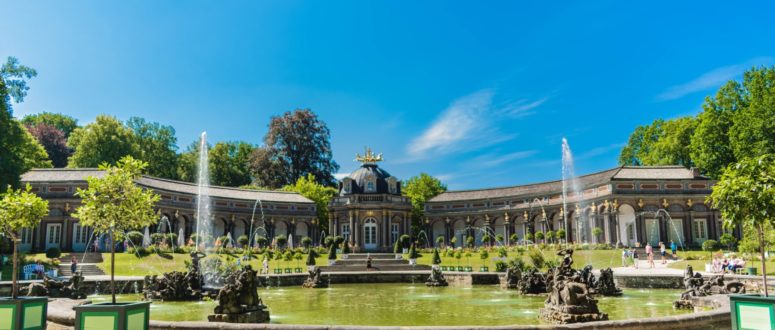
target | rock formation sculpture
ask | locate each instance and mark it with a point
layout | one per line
(238, 300)
(70, 288)
(569, 300)
(532, 282)
(696, 286)
(605, 284)
(436, 278)
(314, 280)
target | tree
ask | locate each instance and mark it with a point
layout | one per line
(64, 123)
(106, 140)
(20, 209)
(753, 128)
(298, 143)
(18, 149)
(157, 146)
(561, 234)
(306, 241)
(15, 77)
(436, 259)
(439, 240)
(539, 236)
(419, 189)
(308, 187)
(727, 240)
(513, 239)
(113, 204)
(710, 147)
(266, 170)
(550, 236)
(311, 257)
(673, 145)
(640, 143)
(229, 163)
(187, 162)
(597, 231)
(52, 140)
(745, 195)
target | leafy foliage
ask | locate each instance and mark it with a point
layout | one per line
(62, 122)
(15, 77)
(436, 259)
(420, 189)
(297, 144)
(20, 209)
(106, 140)
(308, 187)
(157, 146)
(53, 141)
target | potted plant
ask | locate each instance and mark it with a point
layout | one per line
(112, 205)
(288, 257)
(561, 235)
(539, 236)
(436, 259)
(306, 242)
(413, 255)
(458, 255)
(709, 246)
(346, 250)
(745, 196)
(483, 254)
(486, 240)
(332, 254)
(440, 241)
(596, 232)
(453, 241)
(297, 255)
(311, 260)
(550, 236)
(513, 239)
(21, 209)
(468, 258)
(404, 243)
(470, 242)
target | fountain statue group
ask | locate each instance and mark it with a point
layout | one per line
(314, 280)
(436, 278)
(697, 286)
(237, 296)
(54, 288)
(570, 297)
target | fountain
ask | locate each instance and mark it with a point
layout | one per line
(569, 178)
(51, 287)
(146, 238)
(696, 286)
(203, 203)
(570, 300)
(436, 278)
(238, 300)
(314, 280)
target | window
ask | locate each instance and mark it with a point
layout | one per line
(370, 233)
(26, 236)
(699, 230)
(630, 232)
(347, 186)
(346, 231)
(393, 233)
(370, 186)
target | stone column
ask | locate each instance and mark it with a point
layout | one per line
(352, 228)
(331, 225)
(385, 229)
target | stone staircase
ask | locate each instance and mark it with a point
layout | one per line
(87, 264)
(356, 262)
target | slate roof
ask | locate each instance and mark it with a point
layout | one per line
(585, 181)
(80, 174)
(362, 173)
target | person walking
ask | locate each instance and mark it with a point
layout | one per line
(265, 267)
(625, 257)
(650, 255)
(673, 248)
(663, 252)
(73, 265)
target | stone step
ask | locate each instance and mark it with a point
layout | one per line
(374, 256)
(360, 268)
(85, 269)
(373, 262)
(90, 258)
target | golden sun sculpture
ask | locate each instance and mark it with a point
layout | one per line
(368, 157)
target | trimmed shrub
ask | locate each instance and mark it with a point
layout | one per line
(404, 240)
(53, 252)
(243, 240)
(413, 253)
(135, 237)
(261, 241)
(436, 260)
(536, 258)
(306, 242)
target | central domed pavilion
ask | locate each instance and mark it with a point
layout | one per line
(369, 211)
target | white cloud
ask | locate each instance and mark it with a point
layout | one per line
(340, 176)
(492, 160)
(711, 79)
(469, 123)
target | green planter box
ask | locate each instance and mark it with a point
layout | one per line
(752, 312)
(443, 268)
(288, 271)
(278, 270)
(119, 316)
(484, 269)
(469, 269)
(27, 313)
(460, 268)
(297, 270)
(751, 270)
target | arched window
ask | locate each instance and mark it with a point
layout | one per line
(370, 186)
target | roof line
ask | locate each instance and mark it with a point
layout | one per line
(221, 187)
(536, 183)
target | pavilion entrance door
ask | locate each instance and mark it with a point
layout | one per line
(652, 231)
(370, 234)
(53, 235)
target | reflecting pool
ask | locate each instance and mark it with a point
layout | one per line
(407, 305)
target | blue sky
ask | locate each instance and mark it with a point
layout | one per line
(479, 94)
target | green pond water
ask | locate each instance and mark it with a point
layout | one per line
(407, 305)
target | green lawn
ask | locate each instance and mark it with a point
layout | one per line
(699, 265)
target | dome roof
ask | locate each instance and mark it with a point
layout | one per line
(370, 179)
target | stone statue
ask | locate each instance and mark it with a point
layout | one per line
(436, 278)
(696, 286)
(238, 300)
(532, 282)
(513, 276)
(587, 277)
(314, 280)
(70, 288)
(569, 300)
(606, 285)
(176, 286)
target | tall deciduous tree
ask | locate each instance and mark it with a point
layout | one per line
(672, 147)
(753, 126)
(267, 170)
(64, 123)
(114, 204)
(53, 141)
(640, 143)
(15, 77)
(300, 142)
(420, 189)
(187, 162)
(710, 147)
(229, 163)
(745, 195)
(106, 140)
(157, 146)
(318, 193)
(20, 209)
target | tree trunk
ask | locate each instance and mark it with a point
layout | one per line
(14, 275)
(112, 267)
(764, 261)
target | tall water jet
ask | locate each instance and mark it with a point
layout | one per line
(203, 204)
(569, 181)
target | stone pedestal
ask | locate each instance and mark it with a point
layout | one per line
(256, 316)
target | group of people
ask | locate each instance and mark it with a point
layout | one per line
(725, 265)
(630, 256)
